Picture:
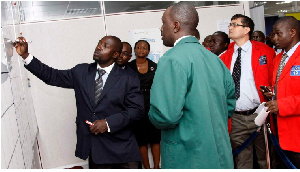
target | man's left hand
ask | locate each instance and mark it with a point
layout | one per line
(99, 126)
(272, 106)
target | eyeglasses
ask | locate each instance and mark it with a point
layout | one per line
(235, 25)
(125, 54)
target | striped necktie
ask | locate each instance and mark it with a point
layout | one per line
(280, 68)
(99, 85)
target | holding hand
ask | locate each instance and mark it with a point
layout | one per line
(272, 106)
(22, 47)
(99, 126)
(267, 92)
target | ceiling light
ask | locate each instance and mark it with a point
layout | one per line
(284, 2)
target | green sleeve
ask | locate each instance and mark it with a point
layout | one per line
(167, 96)
(230, 95)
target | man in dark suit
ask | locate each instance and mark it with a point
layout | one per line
(106, 95)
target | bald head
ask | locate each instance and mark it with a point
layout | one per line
(186, 15)
(178, 20)
(118, 44)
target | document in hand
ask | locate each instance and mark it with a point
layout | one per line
(262, 114)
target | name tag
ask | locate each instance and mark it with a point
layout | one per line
(295, 71)
(263, 60)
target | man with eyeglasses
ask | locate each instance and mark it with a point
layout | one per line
(125, 55)
(250, 63)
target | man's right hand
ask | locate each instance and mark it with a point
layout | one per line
(22, 47)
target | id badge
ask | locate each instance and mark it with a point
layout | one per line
(295, 71)
(263, 60)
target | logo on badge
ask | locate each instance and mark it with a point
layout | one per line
(295, 71)
(263, 60)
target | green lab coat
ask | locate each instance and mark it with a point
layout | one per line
(191, 98)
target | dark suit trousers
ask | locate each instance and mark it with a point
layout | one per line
(129, 165)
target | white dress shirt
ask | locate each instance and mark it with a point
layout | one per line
(222, 53)
(249, 98)
(291, 52)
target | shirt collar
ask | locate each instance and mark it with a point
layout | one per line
(292, 50)
(107, 69)
(244, 47)
(180, 39)
(222, 53)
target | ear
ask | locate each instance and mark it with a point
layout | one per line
(293, 32)
(115, 55)
(226, 45)
(247, 30)
(176, 26)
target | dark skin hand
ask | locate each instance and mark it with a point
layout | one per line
(22, 47)
(272, 106)
(99, 126)
(267, 95)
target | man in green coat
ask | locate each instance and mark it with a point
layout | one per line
(192, 97)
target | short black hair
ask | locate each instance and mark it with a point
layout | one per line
(224, 35)
(141, 41)
(260, 32)
(290, 21)
(119, 45)
(127, 44)
(246, 21)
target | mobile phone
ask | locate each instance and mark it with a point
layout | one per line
(266, 89)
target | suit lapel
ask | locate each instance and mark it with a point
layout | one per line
(228, 58)
(289, 64)
(255, 57)
(90, 84)
(111, 80)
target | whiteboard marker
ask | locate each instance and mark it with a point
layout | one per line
(17, 40)
(88, 122)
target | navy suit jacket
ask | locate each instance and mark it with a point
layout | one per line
(121, 104)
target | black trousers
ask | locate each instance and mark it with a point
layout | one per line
(129, 165)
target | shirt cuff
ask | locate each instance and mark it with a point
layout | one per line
(28, 59)
(108, 129)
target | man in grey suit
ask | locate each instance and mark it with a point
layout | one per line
(106, 95)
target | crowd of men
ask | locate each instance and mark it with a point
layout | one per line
(204, 100)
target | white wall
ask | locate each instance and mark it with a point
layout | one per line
(65, 43)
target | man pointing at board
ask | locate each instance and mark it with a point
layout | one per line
(106, 95)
